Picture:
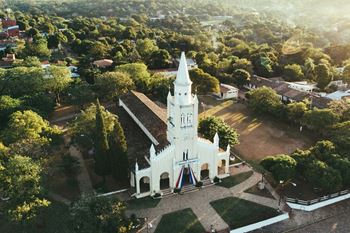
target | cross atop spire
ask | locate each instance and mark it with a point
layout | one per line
(182, 77)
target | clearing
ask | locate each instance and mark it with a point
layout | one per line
(260, 136)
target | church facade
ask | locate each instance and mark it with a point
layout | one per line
(184, 158)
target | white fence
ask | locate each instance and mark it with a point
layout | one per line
(261, 224)
(317, 203)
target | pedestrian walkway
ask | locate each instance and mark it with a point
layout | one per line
(83, 177)
(85, 185)
(260, 200)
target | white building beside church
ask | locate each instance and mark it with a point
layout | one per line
(178, 156)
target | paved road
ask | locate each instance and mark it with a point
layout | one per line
(336, 224)
(330, 219)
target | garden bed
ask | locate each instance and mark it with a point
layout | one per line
(184, 221)
(238, 213)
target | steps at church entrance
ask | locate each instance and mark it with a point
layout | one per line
(167, 192)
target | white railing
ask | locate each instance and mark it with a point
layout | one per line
(261, 224)
(317, 203)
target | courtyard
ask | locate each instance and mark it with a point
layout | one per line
(197, 205)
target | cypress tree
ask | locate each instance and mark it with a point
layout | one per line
(118, 150)
(102, 160)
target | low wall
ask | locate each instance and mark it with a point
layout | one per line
(317, 203)
(261, 224)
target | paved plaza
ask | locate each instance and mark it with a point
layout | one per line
(199, 202)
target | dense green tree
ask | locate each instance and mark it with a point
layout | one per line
(24, 125)
(340, 135)
(282, 167)
(319, 119)
(203, 82)
(20, 180)
(101, 156)
(99, 215)
(211, 125)
(323, 177)
(118, 150)
(346, 73)
(293, 72)
(264, 100)
(57, 80)
(323, 75)
(29, 62)
(37, 48)
(83, 128)
(8, 106)
(146, 47)
(296, 111)
(139, 74)
(241, 77)
(20, 81)
(323, 150)
(80, 93)
(160, 59)
(110, 85)
(309, 69)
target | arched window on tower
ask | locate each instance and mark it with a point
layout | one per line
(189, 119)
(183, 123)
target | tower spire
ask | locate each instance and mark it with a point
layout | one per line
(182, 77)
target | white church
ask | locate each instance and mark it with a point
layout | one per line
(178, 157)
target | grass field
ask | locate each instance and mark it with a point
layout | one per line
(260, 136)
(238, 213)
(182, 221)
(231, 181)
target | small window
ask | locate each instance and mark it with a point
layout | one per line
(183, 123)
(189, 119)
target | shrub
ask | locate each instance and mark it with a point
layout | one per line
(199, 184)
(157, 195)
(216, 179)
(177, 190)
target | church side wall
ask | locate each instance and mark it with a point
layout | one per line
(160, 164)
(209, 154)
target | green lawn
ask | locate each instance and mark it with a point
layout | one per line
(142, 203)
(231, 181)
(55, 219)
(182, 221)
(238, 213)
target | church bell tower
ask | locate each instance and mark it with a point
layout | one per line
(182, 110)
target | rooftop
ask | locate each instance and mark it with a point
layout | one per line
(151, 116)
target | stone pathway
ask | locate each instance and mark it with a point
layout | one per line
(83, 177)
(260, 200)
(199, 202)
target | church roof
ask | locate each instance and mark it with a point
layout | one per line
(182, 77)
(151, 116)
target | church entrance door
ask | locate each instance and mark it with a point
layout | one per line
(186, 176)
